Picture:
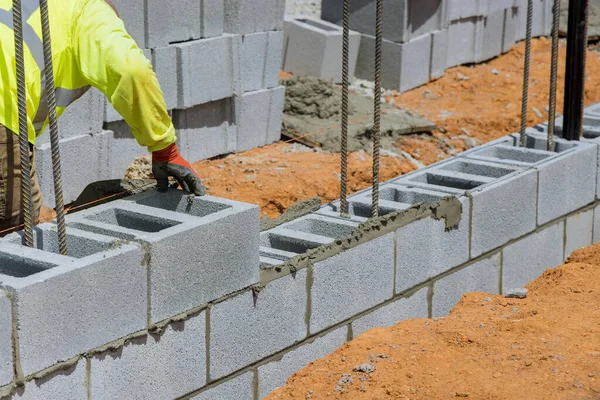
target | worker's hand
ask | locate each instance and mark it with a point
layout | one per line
(169, 162)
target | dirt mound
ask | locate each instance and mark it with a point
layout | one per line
(546, 346)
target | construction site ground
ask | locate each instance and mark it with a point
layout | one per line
(546, 346)
(470, 104)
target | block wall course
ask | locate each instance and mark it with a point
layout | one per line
(260, 60)
(6, 354)
(249, 327)
(106, 301)
(482, 276)
(439, 53)
(243, 16)
(65, 384)
(258, 117)
(579, 230)
(314, 47)
(239, 388)
(173, 364)
(528, 258)
(464, 41)
(364, 274)
(412, 307)
(275, 374)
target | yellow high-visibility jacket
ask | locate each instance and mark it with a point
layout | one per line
(90, 47)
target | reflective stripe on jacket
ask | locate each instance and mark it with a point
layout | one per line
(90, 47)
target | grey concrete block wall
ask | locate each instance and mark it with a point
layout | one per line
(439, 53)
(239, 388)
(462, 9)
(184, 275)
(464, 40)
(415, 306)
(275, 374)
(249, 16)
(70, 383)
(366, 271)
(260, 58)
(174, 363)
(258, 117)
(6, 354)
(528, 258)
(261, 324)
(403, 19)
(314, 47)
(482, 276)
(578, 231)
(78, 171)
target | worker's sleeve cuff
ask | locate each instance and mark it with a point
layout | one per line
(169, 138)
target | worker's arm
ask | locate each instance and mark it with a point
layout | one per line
(110, 60)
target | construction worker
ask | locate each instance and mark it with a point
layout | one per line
(90, 47)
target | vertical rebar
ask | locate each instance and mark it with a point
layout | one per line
(26, 200)
(553, 75)
(575, 70)
(54, 137)
(345, 84)
(525, 100)
(377, 107)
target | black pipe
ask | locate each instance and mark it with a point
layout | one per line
(575, 70)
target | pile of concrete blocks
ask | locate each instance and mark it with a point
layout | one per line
(168, 296)
(218, 64)
(421, 39)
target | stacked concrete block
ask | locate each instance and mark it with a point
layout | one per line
(84, 159)
(173, 364)
(482, 276)
(6, 354)
(70, 383)
(238, 388)
(275, 374)
(403, 20)
(247, 16)
(106, 288)
(258, 117)
(183, 274)
(464, 40)
(578, 231)
(390, 314)
(258, 324)
(260, 59)
(314, 47)
(528, 258)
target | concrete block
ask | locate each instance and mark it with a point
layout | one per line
(244, 16)
(123, 149)
(132, 14)
(578, 231)
(173, 364)
(405, 66)
(511, 29)
(492, 36)
(415, 306)
(445, 249)
(505, 153)
(70, 383)
(238, 388)
(6, 354)
(566, 182)
(260, 58)
(275, 374)
(258, 117)
(249, 327)
(209, 70)
(464, 41)
(596, 234)
(106, 286)
(320, 225)
(78, 171)
(463, 9)
(314, 47)
(165, 63)
(542, 18)
(364, 274)
(402, 20)
(182, 20)
(207, 130)
(503, 211)
(481, 276)
(439, 54)
(191, 258)
(528, 258)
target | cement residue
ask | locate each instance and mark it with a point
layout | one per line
(448, 209)
(297, 210)
(314, 105)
